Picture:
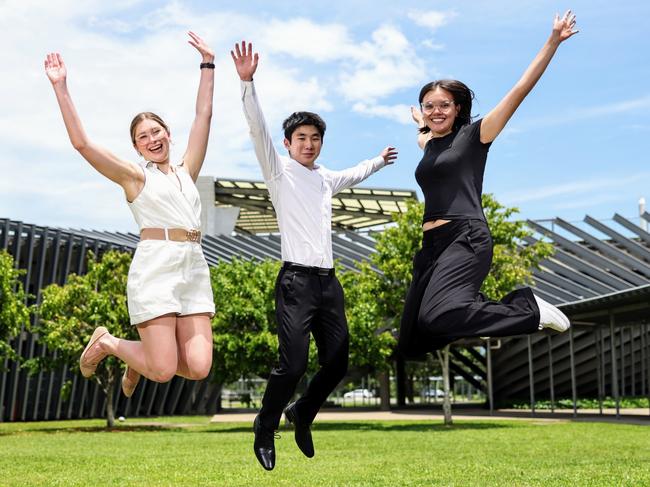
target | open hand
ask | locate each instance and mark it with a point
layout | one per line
(199, 44)
(417, 116)
(245, 61)
(55, 68)
(389, 154)
(564, 27)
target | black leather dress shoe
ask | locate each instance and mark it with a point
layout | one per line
(303, 430)
(264, 445)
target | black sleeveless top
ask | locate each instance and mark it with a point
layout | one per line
(451, 175)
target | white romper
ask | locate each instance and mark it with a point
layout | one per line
(167, 276)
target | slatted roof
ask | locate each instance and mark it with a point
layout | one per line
(585, 271)
(347, 246)
(586, 266)
(352, 208)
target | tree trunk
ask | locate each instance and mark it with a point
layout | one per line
(446, 402)
(110, 411)
(410, 380)
(384, 390)
(400, 379)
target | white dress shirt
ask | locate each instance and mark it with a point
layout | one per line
(302, 197)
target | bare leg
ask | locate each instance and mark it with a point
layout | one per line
(155, 356)
(194, 339)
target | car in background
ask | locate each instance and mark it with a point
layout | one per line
(433, 393)
(358, 394)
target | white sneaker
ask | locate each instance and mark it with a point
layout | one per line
(551, 317)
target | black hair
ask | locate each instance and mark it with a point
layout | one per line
(296, 119)
(462, 95)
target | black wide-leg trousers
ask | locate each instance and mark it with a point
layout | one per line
(306, 303)
(444, 304)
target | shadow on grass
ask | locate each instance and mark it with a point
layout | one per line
(225, 428)
(95, 429)
(378, 426)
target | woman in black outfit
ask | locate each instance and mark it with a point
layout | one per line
(443, 303)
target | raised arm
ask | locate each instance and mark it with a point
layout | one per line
(197, 144)
(124, 173)
(423, 138)
(267, 156)
(354, 175)
(495, 120)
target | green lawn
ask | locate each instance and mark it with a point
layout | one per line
(190, 451)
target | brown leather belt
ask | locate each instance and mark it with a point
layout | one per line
(174, 234)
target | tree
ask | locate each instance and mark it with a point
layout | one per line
(13, 310)
(244, 330)
(371, 339)
(512, 263)
(69, 314)
(511, 266)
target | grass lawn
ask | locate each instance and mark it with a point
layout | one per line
(190, 451)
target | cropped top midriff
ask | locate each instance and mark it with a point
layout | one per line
(451, 175)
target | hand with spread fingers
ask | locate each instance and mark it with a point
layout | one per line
(564, 27)
(389, 154)
(245, 60)
(200, 45)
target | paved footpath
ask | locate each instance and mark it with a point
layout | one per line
(627, 416)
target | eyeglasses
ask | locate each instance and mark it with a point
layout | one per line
(444, 107)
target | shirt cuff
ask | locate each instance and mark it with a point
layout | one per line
(377, 163)
(246, 86)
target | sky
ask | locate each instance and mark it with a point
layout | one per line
(577, 145)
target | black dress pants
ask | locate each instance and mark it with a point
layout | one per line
(444, 304)
(306, 303)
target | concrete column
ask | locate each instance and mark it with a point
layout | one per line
(214, 220)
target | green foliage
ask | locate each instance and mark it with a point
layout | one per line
(588, 403)
(244, 329)
(13, 310)
(371, 344)
(512, 263)
(70, 313)
(395, 249)
(374, 301)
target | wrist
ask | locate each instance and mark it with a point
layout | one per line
(59, 85)
(207, 58)
(554, 40)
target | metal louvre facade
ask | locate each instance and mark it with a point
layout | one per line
(49, 255)
(602, 283)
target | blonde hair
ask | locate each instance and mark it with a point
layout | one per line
(146, 116)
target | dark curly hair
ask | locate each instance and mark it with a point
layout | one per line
(296, 119)
(463, 97)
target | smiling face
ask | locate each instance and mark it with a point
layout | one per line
(305, 145)
(151, 140)
(439, 111)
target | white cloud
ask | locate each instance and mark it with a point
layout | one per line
(398, 113)
(385, 65)
(125, 56)
(585, 113)
(304, 39)
(434, 46)
(432, 19)
(574, 188)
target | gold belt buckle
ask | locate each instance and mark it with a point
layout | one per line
(193, 235)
